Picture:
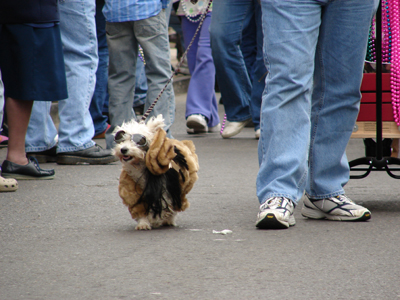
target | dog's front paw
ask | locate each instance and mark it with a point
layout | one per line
(143, 224)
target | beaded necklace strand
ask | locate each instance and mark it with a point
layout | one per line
(390, 49)
(395, 59)
(195, 10)
(371, 55)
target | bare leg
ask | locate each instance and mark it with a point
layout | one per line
(18, 114)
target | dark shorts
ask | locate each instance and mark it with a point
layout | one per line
(32, 63)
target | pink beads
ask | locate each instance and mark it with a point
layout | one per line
(390, 49)
(393, 9)
(223, 124)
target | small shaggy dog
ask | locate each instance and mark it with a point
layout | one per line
(157, 172)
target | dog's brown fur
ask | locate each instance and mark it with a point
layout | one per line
(158, 160)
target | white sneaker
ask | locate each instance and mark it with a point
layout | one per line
(196, 123)
(233, 128)
(258, 132)
(276, 213)
(216, 128)
(338, 208)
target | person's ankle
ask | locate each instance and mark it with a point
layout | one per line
(19, 160)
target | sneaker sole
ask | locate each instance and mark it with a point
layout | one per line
(26, 177)
(196, 127)
(193, 131)
(271, 222)
(77, 160)
(210, 130)
(319, 215)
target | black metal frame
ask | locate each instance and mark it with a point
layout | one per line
(378, 163)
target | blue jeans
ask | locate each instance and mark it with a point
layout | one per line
(314, 52)
(240, 92)
(140, 85)
(75, 132)
(201, 92)
(249, 48)
(123, 40)
(100, 96)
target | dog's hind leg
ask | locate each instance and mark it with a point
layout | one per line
(143, 224)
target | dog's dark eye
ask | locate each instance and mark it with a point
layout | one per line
(119, 136)
(139, 139)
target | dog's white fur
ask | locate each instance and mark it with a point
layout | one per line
(136, 165)
(133, 173)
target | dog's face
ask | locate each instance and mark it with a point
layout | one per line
(133, 140)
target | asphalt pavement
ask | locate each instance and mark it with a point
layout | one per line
(72, 238)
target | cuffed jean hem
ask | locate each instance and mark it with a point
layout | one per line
(295, 202)
(40, 149)
(341, 192)
(73, 149)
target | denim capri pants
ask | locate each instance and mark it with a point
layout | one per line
(32, 62)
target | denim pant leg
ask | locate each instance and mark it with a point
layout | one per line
(141, 84)
(258, 71)
(286, 105)
(336, 97)
(100, 95)
(286, 109)
(201, 92)
(248, 46)
(229, 17)
(78, 34)
(123, 53)
(41, 133)
(152, 35)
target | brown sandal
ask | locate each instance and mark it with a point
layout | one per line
(8, 185)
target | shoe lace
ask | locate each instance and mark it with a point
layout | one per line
(34, 161)
(273, 202)
(98, 147)
(343, 199)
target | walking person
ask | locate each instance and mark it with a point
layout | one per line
(241, 89)
(32, 67)
(201, 103)
(314, 52)
(130, 23)
(72, 143)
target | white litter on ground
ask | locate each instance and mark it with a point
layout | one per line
(224, 232)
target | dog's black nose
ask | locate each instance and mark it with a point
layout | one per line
(124, 150)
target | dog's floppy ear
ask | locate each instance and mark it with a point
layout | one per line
(156, 123)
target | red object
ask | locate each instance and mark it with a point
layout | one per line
(368, 98)
(368, 112)
(368, 83)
